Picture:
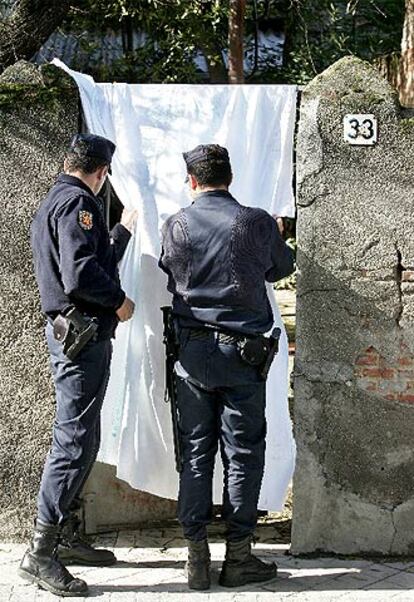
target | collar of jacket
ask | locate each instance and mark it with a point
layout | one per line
(213, 193)
(74, 181)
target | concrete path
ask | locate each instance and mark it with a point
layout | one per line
(151, 568)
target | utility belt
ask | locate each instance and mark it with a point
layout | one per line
(74, 330)
(254, 350)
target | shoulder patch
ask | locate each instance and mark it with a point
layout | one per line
(86, 220)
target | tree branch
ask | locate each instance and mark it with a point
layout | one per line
(28, 26)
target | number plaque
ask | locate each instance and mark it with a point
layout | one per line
(360, 129)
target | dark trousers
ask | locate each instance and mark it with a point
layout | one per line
(80, 389)
(221, 400)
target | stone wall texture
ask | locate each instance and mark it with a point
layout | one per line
(39, 113)
(354, 372)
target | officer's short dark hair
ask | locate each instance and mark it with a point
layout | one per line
(77, 159)
(210, 165)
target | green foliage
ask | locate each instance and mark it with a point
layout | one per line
(318, 32)
(323, 31)
(174, 33)
(29, 97)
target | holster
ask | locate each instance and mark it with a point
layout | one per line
(74, 330)
(260, 351)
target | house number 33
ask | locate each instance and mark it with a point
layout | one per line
(360, 129)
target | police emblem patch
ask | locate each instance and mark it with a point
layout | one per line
(85, 220)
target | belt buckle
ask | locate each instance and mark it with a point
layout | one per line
(227, 339)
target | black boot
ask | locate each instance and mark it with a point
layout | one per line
(40, 564)
(73, 549)
(197, 567)
(241, 567)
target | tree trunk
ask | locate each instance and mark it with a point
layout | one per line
(29, 25)
(389, 67)
(406, 84)
(236, 33)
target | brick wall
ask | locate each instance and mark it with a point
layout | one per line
(391, 380)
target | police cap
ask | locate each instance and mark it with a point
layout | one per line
(94, 146)
(206, 152)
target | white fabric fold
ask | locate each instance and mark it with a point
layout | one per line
(152, 125)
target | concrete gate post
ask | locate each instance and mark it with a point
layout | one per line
(354, 374)
(39, 113)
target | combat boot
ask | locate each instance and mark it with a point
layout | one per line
(197, 567)
(74, 549)
(241, 567)
(41, 565)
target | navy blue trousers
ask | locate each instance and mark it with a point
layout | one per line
(221, 401)
(80, 389)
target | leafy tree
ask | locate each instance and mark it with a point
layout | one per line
(317, 32)
(25, 25)
(175, 33)
(320, 32)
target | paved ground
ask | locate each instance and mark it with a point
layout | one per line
(151, 564)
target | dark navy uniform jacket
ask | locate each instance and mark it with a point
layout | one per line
(218, 255)
(75, 257)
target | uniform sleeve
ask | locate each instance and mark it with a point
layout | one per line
(165, 256)
(161, 262)
(79, 230)
(119, 238)
(281, 256)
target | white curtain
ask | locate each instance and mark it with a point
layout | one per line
(151, 126)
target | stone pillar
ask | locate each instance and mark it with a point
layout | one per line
(38, 114)
(354, 383)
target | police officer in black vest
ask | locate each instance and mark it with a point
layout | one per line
(218, 255)
(75, 260)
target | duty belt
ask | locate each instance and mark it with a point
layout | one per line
(256, 351)
(222, 337)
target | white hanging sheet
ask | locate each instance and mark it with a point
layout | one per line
(152, 125)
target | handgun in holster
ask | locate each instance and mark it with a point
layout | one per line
(273, 342)
(260, 351)
(74, 330)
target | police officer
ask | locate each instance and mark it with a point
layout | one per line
(218, 255)
(75, 260)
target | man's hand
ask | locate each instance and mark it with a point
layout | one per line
(126, 310)
(129, 219)
(280, 224)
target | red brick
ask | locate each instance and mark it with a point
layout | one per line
(406, 361)
(386, 373)
(391, 396)
(367, 360)
(389, 373)
(406, 398)
(407, 276)
(374, 372)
